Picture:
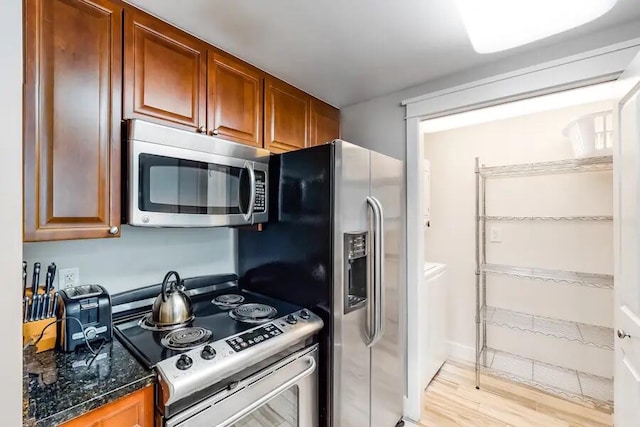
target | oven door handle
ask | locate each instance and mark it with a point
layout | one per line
(267, 397)
(248, 216)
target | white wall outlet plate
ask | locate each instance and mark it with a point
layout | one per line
(68, 277)
(495, 234)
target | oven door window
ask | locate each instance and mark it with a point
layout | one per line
(281, 411)
(171, 185)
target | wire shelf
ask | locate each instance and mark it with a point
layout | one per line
(589, 164)
(595, 336)
(591, 280)
(554, 379)
(547, 218)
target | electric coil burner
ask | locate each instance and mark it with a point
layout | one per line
(228, 300)
(186, 338)
(253, 313)
(147, 323)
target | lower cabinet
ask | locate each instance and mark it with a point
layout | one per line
(133, 410)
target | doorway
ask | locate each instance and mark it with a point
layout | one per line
(543, 197)
(522, 85)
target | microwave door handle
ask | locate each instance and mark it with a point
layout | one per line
(248, 216)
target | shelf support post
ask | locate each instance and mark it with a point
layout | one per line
(478, 342)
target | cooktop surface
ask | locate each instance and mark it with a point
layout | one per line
(151, 346)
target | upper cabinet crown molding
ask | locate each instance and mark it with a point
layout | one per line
(234, 99)
(72, 105)
(164, 72)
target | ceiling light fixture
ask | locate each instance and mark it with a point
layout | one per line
(495, 25)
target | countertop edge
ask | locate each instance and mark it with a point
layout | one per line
(95, 402)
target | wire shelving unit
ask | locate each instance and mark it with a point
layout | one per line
(566, 382)
(590, 280)
(569, 383)
(546, 218)
(595, 336)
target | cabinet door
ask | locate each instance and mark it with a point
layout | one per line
(234, 102)
(72, 105)
(325, 122)
(134, 410)
(286, 117)
(164, 72)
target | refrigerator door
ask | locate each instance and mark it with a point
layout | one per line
(351, 369)
(387, 355)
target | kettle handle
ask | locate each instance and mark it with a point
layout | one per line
(165, 282)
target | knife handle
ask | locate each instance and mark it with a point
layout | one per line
(39, 308)
(34, 304)
(47, 282)
(24, 278)
(54, 269)
(25, 309)
(55, 305)
(36, 278)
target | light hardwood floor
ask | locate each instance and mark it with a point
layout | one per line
(452, 400)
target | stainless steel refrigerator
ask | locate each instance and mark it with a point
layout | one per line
(334, 243)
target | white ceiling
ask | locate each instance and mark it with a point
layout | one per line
(348, 51)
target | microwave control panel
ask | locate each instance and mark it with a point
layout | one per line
(261, 193)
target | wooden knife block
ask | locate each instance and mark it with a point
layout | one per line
(32, 330)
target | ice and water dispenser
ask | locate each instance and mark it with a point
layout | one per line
(356, 271)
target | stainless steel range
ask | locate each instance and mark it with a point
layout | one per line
(242, 358)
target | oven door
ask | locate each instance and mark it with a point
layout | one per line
(285, 394)
(176, 187)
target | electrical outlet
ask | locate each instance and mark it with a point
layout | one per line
(68, 277)
(495, 234)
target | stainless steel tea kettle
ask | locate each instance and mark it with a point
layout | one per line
(172, 306)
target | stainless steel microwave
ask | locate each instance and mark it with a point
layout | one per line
(178, 178)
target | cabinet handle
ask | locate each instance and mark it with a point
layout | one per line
(622, 334)
(202, 129)
(114, 230)
(214, 132)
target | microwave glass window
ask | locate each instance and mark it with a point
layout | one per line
(184, 186)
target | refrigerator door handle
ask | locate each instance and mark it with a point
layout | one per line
(377, 271)
(381, 263)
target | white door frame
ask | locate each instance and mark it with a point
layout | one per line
(596, 66)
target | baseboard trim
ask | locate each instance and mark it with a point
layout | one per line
(458, 351)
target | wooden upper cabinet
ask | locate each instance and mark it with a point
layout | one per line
(164, 72)
(325, 122)
(72, 115)
(134, 410)
(286, 126)
(234, 100)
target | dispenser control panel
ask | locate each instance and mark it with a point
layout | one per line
(356, 271)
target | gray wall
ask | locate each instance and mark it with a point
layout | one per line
(11, 211)
(141, 256)
(379, 124)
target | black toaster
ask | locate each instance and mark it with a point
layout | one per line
(85, 313)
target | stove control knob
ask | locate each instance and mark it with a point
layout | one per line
(184, 362)
(208, 352)
(291, 319)
(304, 314)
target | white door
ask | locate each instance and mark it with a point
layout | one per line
(627, 229)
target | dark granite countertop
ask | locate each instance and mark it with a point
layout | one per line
(60, 386)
